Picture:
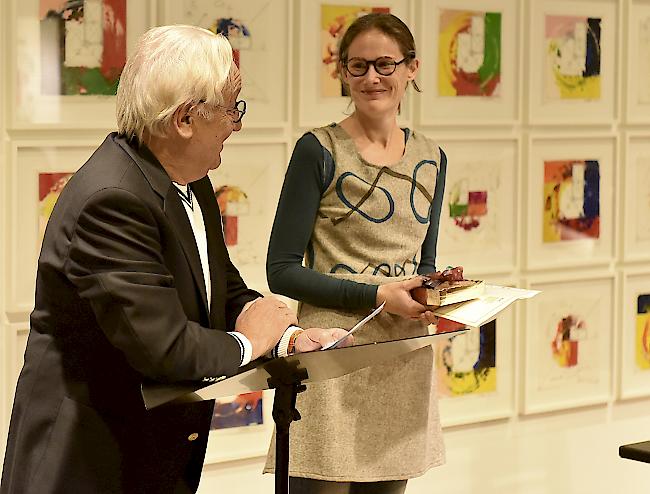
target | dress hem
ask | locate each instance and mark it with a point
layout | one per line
(346, 478)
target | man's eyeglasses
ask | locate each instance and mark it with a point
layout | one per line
(358, 67)
(237, 112)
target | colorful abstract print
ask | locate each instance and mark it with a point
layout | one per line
(83, 46)
(564, 347)
(469, 59)
(237, 33)
(50, 186)
(573, 58)
(233, 203)
(335, 20)
(466, 363)
(642, 353)
(467, 207)
(571, 209)
(238, 411)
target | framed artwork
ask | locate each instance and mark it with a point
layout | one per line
(570, 207)
(568, 342)
(247, 186)
(475, 372)
(637, 96)
(636, 198)
(241, 427)
(479, 218)
(323, 23)
(67, 58)
(37, 172)
(572, 61)
(259, 32)
(635, 337)
(470, 55)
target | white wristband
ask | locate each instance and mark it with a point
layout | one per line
(281, 348)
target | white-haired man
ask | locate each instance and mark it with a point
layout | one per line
(134, 282)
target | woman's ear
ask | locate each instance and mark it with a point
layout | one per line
(413, 68)
(183, 121)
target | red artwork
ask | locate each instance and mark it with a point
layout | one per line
(565, 344)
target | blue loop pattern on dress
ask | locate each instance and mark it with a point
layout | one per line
(422, 219)
(339, 192)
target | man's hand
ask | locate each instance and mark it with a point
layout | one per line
(315, 338)
(264, 322)
(399, 301)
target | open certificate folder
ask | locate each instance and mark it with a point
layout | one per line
(482, 310)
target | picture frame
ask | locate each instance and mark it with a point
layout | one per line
(453, 96)
(314, 109)
(572, 61)
(570, 201)
(252, 189)
(28, 160)
(634, 355)
(261, 35)
(635, 218)
(637, 66)
(567, 357)
(238, 443)
(43, 74)
(479, 220)
(481, 387)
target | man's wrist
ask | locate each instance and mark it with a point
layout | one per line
(245, 345)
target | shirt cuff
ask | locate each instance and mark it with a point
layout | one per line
(245, 347)
(281, 348)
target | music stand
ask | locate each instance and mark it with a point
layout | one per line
(636, 451)
(288, 377)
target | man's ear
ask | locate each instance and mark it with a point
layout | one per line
(183, 121)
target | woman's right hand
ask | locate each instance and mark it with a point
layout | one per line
(399, 301)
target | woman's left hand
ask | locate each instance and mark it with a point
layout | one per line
(399, 300)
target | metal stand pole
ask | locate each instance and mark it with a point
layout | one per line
(287, 387)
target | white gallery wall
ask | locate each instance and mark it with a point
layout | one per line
(548, 187)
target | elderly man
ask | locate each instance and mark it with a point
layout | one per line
(134, 281)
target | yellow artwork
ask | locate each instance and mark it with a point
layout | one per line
(642, 346)
(50, 186)
(335, 20)
(573, 58)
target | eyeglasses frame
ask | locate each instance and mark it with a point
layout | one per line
(374, 64)
(230, 110)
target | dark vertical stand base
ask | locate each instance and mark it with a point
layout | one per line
(287, 386)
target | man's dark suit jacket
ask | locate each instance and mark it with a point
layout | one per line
(120, 297)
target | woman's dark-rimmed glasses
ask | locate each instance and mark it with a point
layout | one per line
(358, 67)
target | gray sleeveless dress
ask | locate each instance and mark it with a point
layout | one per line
(382, 422)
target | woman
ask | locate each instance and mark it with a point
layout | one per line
(362, 200)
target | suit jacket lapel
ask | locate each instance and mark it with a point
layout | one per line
(217, 253)
(172, 205)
